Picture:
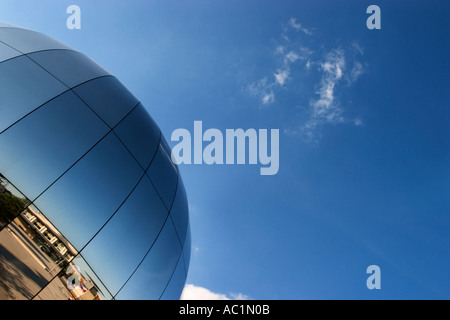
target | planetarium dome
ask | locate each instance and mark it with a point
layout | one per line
(91, 205)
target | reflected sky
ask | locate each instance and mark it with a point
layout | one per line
(70, 67)
(91, 191)
(98, 173)
(109, 99)
(64, 128)
(27, 41)
(163, 174)
(140, 134)
(6, 52)
(151, 278)
(126, 239)
(24, 86)
(175, 286)
(179, 211)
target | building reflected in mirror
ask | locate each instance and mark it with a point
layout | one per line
(82, 163)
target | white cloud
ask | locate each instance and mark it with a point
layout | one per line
(268, 98)
(330, 72)
(308, 64)
(293, 23)
(356, 71)
(264, 89)
(193, 292)
(281, 76)
(280, 50)
(334, 64)
(358, 48)
(358, 122)
(333, 69)
(289, 53)
(297, 26)
(291, 57)
(325, 109)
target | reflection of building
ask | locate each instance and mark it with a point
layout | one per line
(54, 241)
(86, 182)
(3, 184)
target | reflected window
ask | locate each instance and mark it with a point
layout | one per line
(32, 253)
(76, 281)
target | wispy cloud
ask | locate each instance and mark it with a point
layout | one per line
(263, 89)
(268, 97)
(329, 70)
(357, 122)
(297, 26)
(281, 76)
(193, 292)
(325, 109)
(356, 71)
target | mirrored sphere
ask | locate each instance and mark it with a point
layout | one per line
(91, 205)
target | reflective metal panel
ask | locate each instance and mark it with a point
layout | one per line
(164, 174)
(140, 134)
(24, 86)
(64, 129)
(91, 205)
(32, 252)
(12, 201)
(121, 245)
(6, 52)
(82, 201)
(108, 98)
(71, 67)
(7, 25)
(152, 276)
(27, 41)
(77, 281)
(176, 284)
(180, 211)
(187, 248)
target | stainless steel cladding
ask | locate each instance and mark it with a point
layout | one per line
(91, 205)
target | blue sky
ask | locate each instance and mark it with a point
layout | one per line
(364, 130)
